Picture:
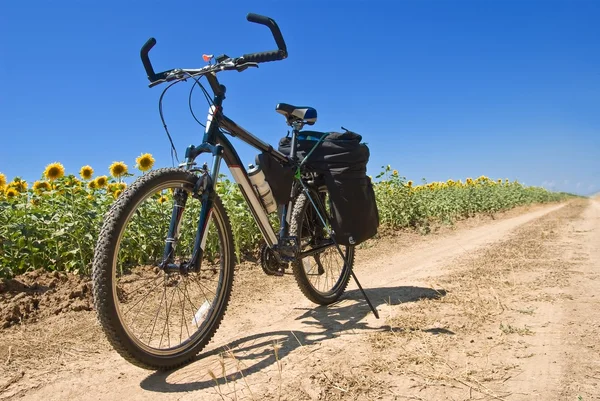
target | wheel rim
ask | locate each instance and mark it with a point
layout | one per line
(166, 313)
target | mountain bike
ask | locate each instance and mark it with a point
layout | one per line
(164, 262)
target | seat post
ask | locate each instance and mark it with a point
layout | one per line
(296, 127)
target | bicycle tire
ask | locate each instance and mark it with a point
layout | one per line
(326, 297)
(106, 294)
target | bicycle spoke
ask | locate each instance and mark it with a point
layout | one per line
(142, 306)
(148, 293)
(187, 295)
(182, 315)
(156, 317)
(167, 309)
(201, 287)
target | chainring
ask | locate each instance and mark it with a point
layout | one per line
(269, 262)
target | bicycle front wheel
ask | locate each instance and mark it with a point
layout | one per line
(159, 318)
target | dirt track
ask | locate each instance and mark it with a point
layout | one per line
(502, 309)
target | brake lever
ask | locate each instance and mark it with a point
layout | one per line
(245, 66)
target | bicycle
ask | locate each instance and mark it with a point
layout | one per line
(188, 264)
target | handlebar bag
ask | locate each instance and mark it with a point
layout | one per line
(342, 159)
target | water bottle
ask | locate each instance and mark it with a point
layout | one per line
(257, 178)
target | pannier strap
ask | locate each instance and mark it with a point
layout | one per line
(321, 139)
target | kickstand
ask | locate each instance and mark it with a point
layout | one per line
(356, 281)
(364, 294)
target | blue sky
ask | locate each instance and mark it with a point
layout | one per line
(438, 89)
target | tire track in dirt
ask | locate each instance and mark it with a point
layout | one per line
(271, 330)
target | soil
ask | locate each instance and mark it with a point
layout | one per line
(38, 294)
(502, 308)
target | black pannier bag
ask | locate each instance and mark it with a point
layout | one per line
(342, 160)
(280, 178)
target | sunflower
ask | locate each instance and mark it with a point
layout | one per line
(54, 171)
(409, 184)
(118, 169)
(450, 182)
(92, 185)
(2, 180)
(35, 201)
(122, 186)
(11, 193)
(86, 172)
(101, 181)
(144, 162)
(90, 196)
(117, 193)
(395, 172)
(41, 186)
(499, 180)
(162, 199)
(73, 182)
(469, 181)
(18, 184)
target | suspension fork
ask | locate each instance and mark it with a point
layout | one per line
(179, 201)
(208, 198)
(204, 188)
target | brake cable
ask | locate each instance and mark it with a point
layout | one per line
(162, 118)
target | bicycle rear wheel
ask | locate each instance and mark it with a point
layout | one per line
(159, 318)
(322, 277)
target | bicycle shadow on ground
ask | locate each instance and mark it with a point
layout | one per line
(260, 352)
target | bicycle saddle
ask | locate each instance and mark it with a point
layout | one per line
(304, 113)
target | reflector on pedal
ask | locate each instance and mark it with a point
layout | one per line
(207, 57)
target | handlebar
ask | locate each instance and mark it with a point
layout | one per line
(273, 55)
(260, 57)
(146, 60)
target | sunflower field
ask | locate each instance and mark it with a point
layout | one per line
(54, 222)
(401, 203)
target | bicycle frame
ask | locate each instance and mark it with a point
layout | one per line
(216, 143)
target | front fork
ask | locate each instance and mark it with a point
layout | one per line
(205, 190)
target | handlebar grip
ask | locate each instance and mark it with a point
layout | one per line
(263, 57)
(269, 22)
(259, 19)
(146, 60)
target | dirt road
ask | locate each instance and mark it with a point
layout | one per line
(502, 309)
